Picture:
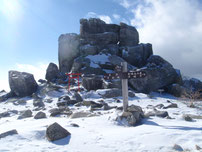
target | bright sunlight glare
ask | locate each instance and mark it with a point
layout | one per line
(10, 9)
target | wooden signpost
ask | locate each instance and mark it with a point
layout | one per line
(124, 76)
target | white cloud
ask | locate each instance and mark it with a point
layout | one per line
(105, 18)
(174, 28)
(38, 70)
(116, 16)
(125, 3)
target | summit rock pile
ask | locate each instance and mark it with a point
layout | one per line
(100, 47)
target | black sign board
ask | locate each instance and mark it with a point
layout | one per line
(125, 75)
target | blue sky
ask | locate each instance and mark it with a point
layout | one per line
(29, 30)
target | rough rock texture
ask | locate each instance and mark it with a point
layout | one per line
(66, 101)
(193, 84)
(52, 72)
(60, 110)
(95, 25)
(22, 83)
(8, 133)
(138, 55)
(80, 114)
(92, 82)
(56, 132)
(132, 117)
(176, 90)
(111, 93)
(4, 96)
(159, 73)
(68, 51)
(128, 35)
(177, 147)
(40, 115)
(25, 114)
(76, 96)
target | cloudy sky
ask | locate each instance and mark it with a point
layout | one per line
(29, 30)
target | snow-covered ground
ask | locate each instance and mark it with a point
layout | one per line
(102, 133)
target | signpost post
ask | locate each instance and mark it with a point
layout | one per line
(124, 76)
(125, 87)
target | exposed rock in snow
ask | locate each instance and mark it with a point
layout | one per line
(40, 115)
(22, 83)
(56, 132)
(8, 133)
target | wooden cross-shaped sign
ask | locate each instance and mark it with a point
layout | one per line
(124, 76)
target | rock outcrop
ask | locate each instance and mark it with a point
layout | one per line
(52, 72)
(22, 83)
(160, 73)
(68, 51)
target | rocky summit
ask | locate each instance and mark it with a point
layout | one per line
(57, 115)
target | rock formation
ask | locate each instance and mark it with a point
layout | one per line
(22, 83)
(100, 47)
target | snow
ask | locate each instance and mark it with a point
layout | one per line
(97, 59)
(102, 133)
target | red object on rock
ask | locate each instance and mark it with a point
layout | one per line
(73, 76)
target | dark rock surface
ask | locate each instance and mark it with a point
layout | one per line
(22, 83)
(159, 73)
(56, 132)
(25, 114)
(92, 82)
(132, 117)
(40, 115)
(137, 55)
(128, 35)
(52, 72)
(8, 133)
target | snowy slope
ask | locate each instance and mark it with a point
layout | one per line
(101, 133)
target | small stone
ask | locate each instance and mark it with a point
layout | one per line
(8, 133)
(74, 125)
(187, 117)
(56, 132)
(25, 114)
(40, 115)
(80, 114)
(161, 114)
(177, 147)
(197, 147)
(159, 106)
(172, 105)
(131, 94)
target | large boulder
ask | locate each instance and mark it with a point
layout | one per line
(96, 25)
(96, 32)
(176, 90)
(52, 72)
(128, 35)
(22, 83)
(102, 38)
(88, 50)
(193, 84)
(92, 82)
(56, 132)
(159, 73)
(137, 55)
(68, 51)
